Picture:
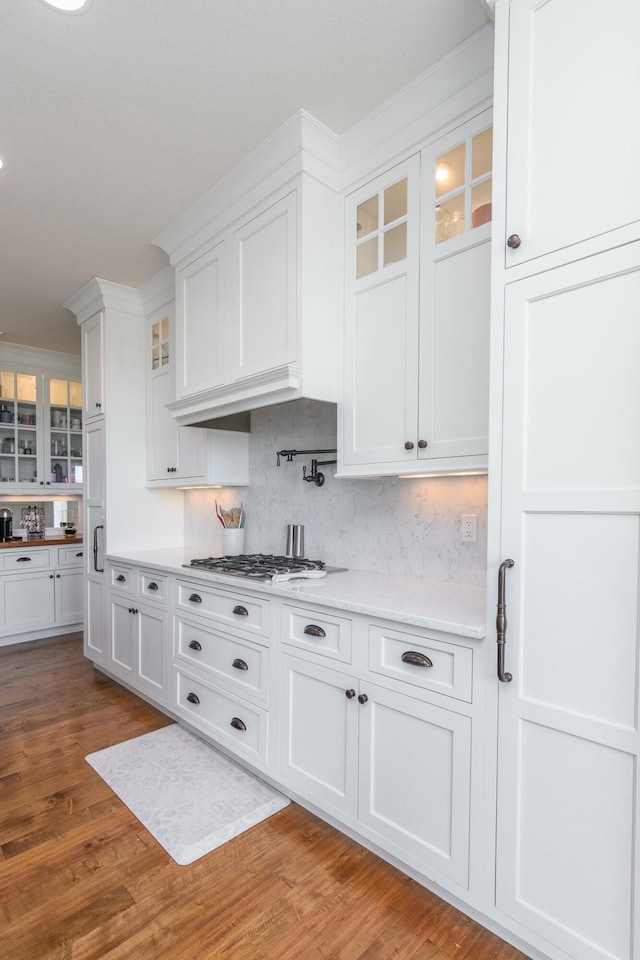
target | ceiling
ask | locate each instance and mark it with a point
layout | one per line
(115, 120)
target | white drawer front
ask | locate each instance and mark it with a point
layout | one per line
(320, 633)
(152, 587)
(238, 665)
(71, 556)
(237, 610)
(429, 664)
(17, 559)
(238, 725)
(122, 578)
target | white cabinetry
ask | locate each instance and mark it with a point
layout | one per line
(138, 630)
(40, 591)
(417, 280)
(565, 477)
(364, 742)
(178, 455)
(256, 289)
(93, 360)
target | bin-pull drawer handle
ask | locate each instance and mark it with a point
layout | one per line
(241, 611)
(239, 664)
(120, 579)
(23, 560)
(193, 698)
(313, 630)
(195, 645)
(152, 586)
(195, 598)
(238, 724)
(416, 659)
(79, 554)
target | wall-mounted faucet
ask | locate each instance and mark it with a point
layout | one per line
(315, 476)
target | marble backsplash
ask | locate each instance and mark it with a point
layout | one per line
(405, 527)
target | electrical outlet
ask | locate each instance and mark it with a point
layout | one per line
(468, 528)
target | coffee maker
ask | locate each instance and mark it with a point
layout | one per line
(6, 524)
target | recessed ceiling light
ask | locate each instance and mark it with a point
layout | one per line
(69, 6)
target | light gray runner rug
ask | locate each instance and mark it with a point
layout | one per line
(189, 796)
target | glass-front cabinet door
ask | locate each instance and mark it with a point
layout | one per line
(20, 427)
(463, 187)
(64, 417)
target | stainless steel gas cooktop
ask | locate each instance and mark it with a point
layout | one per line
(265, 567)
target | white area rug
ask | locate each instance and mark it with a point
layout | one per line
(189, 796)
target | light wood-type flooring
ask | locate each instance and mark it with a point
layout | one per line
(81, 879)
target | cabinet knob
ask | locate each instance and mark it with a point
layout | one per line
(514, 241)
(313, 630)
(195, 598)
(57, 576)
(238, 724)
(193, 698)
(241, 611)
(98, 404)
(195, 645)
(362, 698)
(349, 694)
(422, 444)
(50, 576)
(239, 664)
(408, 445)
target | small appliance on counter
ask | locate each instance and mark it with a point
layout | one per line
(6, 524)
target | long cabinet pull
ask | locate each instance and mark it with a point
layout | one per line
(240, 664)
(416, 659)
(501, 620)
(313, 630)
(241, 611)
(238, 724)
(95, 548)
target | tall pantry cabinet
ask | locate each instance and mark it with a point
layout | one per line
(120, 512)
(564, 475)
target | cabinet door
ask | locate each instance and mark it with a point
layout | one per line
(319, 749)
(21, 428)
(200, 323)
(380, 402)
(121, 638)
(27, 602)
(570, 521)
(414, 789)
(265, 291)
(574, 135)
(95, 645)
(150, 629)
(69, 596)
(92, 369)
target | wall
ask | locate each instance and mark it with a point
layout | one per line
(405, 527)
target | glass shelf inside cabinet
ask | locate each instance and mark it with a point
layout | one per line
(463, 187)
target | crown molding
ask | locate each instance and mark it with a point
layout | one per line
(98, 294)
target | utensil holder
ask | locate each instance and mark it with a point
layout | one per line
(233, 541)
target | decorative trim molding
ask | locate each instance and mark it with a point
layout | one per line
(272, 386)
(97, 294)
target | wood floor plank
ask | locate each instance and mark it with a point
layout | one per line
(82, 879)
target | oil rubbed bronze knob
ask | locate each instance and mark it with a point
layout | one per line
(349, 694)
(408, 445)
(514, 241)
(422, 444)
(362, 698)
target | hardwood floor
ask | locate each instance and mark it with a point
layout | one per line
(81, 879)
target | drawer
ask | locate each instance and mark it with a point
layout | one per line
(238, 725)
(238, 665)
(122, 578)
(429, 664)
(71, 556)
(321, 633)
(152, 587)
(15, 560)
(242, 611)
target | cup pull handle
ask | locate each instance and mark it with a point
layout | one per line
(195, 598)
(152, 586)
(193, 698)
(240, 664)
(241, 611)
(120, 578)
(195, 645)
(416, 659)
(501, 620)
(313, 630)
(238, 724)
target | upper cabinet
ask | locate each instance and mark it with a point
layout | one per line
(256, 286)
(416, 333)
(93, 355)
(178, 455)
(563, 124)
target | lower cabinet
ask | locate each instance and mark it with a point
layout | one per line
(398, 765)
(138, 645)
(41, 589)
(28, 602)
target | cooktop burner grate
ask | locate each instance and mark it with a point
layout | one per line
(263, 566)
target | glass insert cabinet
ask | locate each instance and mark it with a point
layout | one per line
(40, 429)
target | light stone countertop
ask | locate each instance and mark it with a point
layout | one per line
(436, 605)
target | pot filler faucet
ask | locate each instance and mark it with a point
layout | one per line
(314, 476)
